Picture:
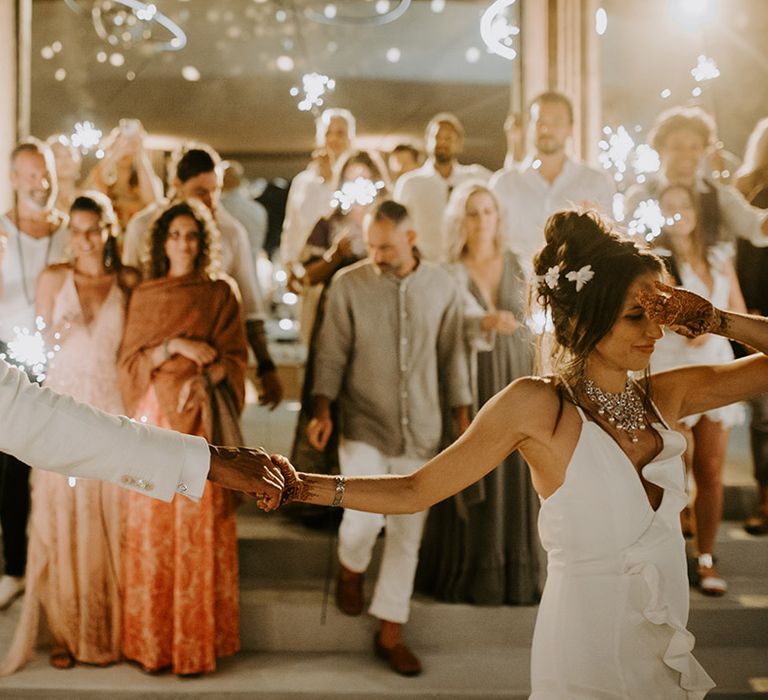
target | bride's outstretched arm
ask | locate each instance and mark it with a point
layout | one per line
(498, 429)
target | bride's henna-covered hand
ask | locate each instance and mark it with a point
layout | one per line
(296, 488)
(684, 312)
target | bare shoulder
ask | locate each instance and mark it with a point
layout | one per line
(54, 275)
(534, 402)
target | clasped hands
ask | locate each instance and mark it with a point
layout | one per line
(270, 479)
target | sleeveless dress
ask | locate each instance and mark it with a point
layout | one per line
(612, 618)
(674, 350)
(73, 569)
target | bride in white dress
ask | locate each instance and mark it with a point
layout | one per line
(604, 461)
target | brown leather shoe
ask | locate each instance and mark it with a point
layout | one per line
(349, 591)
(400, 658)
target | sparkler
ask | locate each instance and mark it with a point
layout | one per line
(360, 191)
(314, 86)
(705, 69)
(85, 136)
(27, 351)
(648, 220)
(620, 154)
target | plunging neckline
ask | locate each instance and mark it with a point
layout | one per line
(637, 470)
(90, 325)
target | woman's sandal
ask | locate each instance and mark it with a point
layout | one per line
(710, 582)
(61, 658)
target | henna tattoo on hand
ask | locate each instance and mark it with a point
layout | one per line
(684, 312)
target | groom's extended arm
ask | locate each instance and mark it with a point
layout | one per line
(54, 432)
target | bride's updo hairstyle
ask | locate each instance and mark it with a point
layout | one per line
(582, 318)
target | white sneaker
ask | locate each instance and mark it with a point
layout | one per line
(10, 588)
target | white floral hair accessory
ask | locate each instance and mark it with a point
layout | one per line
(550, 278)
(581, 276)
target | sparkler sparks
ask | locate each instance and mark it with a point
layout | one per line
(705, 69)
(85, 136)
(314, 86)
(648, 220)
(27, 351)
(360, 191)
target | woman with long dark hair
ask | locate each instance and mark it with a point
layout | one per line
(182, 366)
(705, 268)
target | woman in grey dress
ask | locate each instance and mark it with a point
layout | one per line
(481, 545)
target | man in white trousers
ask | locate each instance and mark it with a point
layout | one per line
(390, 346)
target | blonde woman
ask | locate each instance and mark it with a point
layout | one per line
(481, 546)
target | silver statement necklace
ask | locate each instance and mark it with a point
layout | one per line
(624, 411)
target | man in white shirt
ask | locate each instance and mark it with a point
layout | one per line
(424, 192)
(548, 180)
(197, 175)
(33, 234)
(682, 137)
(309, 197)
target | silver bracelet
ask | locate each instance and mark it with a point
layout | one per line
(339, 494)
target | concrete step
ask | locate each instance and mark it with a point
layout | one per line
(467, 675)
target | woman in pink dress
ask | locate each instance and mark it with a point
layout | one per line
(73, 570)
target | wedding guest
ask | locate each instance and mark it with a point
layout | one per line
(33, 234)
(181, 366)
(73, 560)
(388, 349)
(336, 241)
(238, 202)
(195, 173)
(425, 191)
(548, 180)
(125, 173)
(311, 191)
(402, 159)
(682, 136)
(751, 266)
(706, 269)
(481, 545)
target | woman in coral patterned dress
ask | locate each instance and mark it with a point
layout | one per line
(182, 366)
(73, 570)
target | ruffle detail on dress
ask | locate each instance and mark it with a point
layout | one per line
(678, 654)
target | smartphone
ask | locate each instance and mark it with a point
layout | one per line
(129, 127)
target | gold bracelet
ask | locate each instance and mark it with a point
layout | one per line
(339, 494)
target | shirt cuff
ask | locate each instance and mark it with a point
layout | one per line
(194, 471)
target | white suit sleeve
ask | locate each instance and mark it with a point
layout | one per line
(54, 432)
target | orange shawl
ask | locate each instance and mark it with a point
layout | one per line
(192, 306)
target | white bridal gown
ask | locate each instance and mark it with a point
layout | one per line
(614, 609)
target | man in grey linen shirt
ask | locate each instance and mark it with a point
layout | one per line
(390, 346)
(682, 136)
(548, 180)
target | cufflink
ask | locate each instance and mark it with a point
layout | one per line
(143, 484)
(182, 487)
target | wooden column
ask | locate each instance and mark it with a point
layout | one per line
(560, 51)
(8, 101)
